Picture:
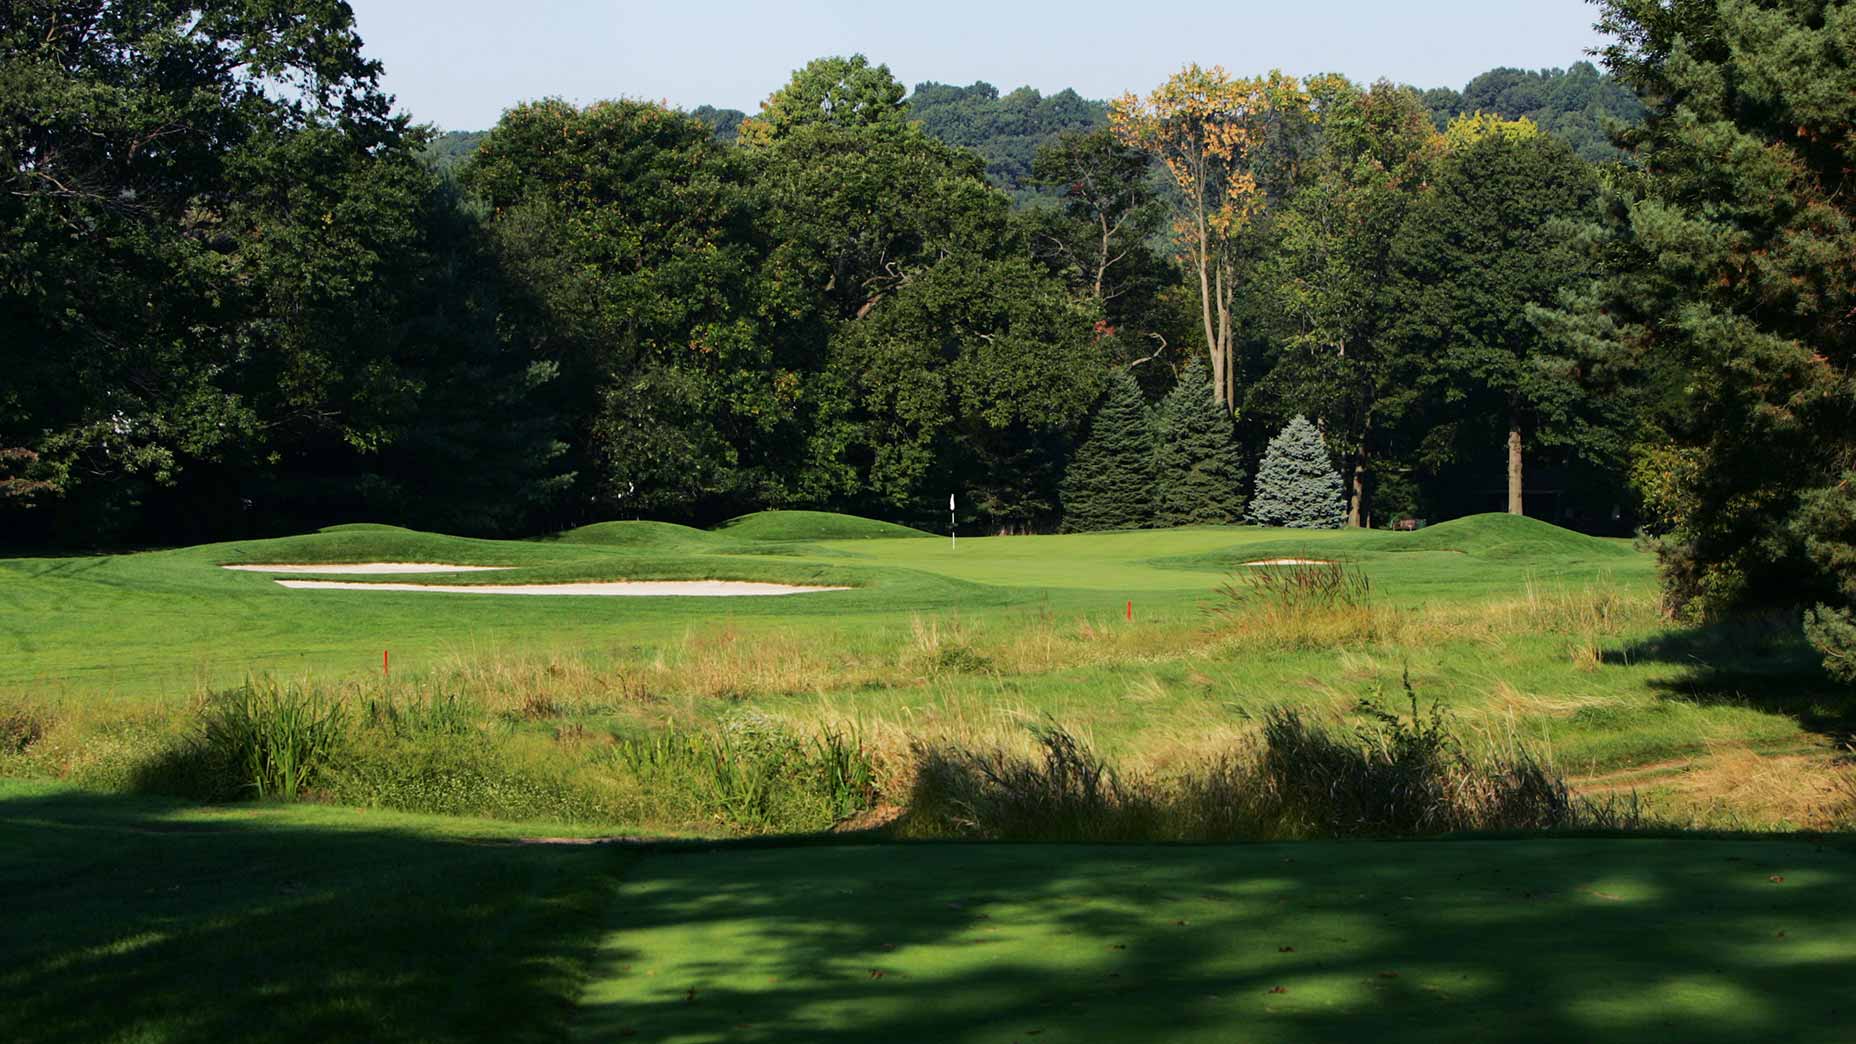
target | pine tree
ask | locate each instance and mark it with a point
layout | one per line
(1110, 481)
(1297, 485)
(1200, 468)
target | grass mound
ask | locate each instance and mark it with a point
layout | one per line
(367, 543)
(655, 536)
(1510, 536)
(812, 525)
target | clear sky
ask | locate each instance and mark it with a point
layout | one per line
(459, 63)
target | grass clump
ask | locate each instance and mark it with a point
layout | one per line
(1067, 793)
(20, 728)
(270, 739)
(750, 774)
(1411, 776)
(1313, 603)
(1390, 777)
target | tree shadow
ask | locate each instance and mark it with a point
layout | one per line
(130, 918)
(137, 918)
(1759, 661)
(1526, 940)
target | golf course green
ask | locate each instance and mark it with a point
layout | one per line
(358, 914)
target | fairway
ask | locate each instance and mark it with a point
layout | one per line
(143, 624)
(309, 923)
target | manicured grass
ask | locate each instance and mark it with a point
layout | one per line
(133, 919)
(1527, 632)
(1565, 940)
(170, 620)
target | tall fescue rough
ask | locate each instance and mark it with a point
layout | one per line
(273, 737)
(752, 774)
(1300, 602)
(1393, 777)
(1069, 793)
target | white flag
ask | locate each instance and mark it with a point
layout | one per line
(950, 502)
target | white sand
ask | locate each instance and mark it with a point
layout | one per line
(369, 568)
(1290, 561)
(618, 588)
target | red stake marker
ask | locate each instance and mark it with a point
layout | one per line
(1130, 610)
(383, 663)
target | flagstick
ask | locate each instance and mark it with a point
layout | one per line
(952, 539)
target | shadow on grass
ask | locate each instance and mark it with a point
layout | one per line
(139, 919)
(127, 919)
(1538, 940)
(1762, 662)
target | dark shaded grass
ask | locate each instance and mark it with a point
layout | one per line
(1516, 941)
(134, 919)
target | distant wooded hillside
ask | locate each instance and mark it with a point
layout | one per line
(1572, 104)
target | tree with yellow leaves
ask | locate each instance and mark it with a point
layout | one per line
(1213, 132)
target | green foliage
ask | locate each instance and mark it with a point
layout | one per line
(725, 122)
(969, 378)
(1332, 276)
(1100, 236)
(1110, 481)
(1006, 130)
(1828, 525)
(1495, 240)
(753, 775)
(1832, 632)
(447, 150)
(1297, 485)
(1578, 105)
(1200, 469)
(1727, 287)
(841, 93)
(273, 739)
(626, 229)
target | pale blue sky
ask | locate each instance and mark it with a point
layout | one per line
(459, 63)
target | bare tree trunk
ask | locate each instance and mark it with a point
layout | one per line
(1227, 393)
(1205, 306)
(1102, 256)
(1514, 464)
(1357, 516)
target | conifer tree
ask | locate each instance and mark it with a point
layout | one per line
(1200, 475)
(1110, 481)
(1297, 485)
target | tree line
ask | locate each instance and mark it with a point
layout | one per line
(237, 297)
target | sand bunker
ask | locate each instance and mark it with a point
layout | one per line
(368, 568)
(1290, 561)
(610, 589)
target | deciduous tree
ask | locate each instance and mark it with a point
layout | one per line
(1214, 133)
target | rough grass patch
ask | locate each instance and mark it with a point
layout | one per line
(750, 774)
(273, 738)
(20, 729)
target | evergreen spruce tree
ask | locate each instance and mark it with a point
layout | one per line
(1297, 485)
(1110, 481)
(1200, 468)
